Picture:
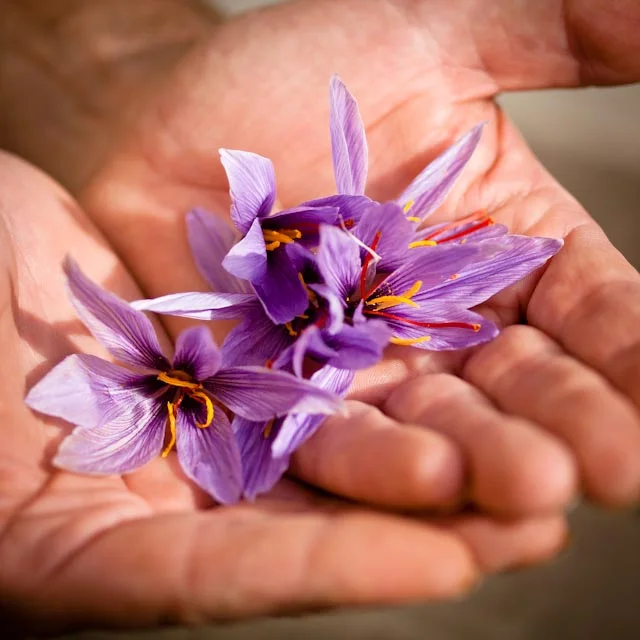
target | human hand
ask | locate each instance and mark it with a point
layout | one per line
(147, 548)
(556, 395)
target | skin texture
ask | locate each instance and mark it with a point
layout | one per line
(514, 427)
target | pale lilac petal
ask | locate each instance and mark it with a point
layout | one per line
(200, 306)
(196, 353)
(252, 184)
(125, 332)
(210, 456)
(295, 429)
(350, 208)
(120, 446)
(387, 226)
(507, 261)
(307, 220)
(87, 391)
(260, 469)
(255, 341)
(430, 188)
(440, 338)
(280, 290)
(210, 239)
(248, 258)
(348, 140)
(338, 260)
(256, 393)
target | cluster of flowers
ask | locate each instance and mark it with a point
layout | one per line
(320, 290)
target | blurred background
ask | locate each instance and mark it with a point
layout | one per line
(590, 140)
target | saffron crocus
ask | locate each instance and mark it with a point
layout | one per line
(266, 446)
(319, 330)
(426, 302)
(124, 414)
(267, 255)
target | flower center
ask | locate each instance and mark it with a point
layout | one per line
(273, 239)
(375, 306)
(186, 386)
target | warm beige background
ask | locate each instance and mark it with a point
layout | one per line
(590, 139)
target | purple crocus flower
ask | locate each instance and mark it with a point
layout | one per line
(427, 300)
(123, 413)
(319, 332)
(268, 253)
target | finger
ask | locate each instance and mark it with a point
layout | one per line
(514, 467)
(589, 300)
(500, 545)
(230, 563)
(369, 457)
(527, 374)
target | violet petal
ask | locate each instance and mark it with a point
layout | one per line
(210, 456)
(248, 258)
(87, 391)
(350, 208)
(120, 446)
(358, 347)
(252, 184)
(255, 341)
(338, 261)
(348, 140)
(260, 469)
(431, 186)
(125, 332)
(256, 393)
(200, 306)
(507, 261)
(283, 295)
(210, 239)
(197, 353)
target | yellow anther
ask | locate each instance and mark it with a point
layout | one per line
(476, 327)
(172, 429)
(405, 342)
(289, 327)
(455, 276)
(384, 302)
(422, 243)
(283, 236)
(175, 381)
(408, 206)
(414, 219)
(208, 403)
(267, 430)
(415, 287)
